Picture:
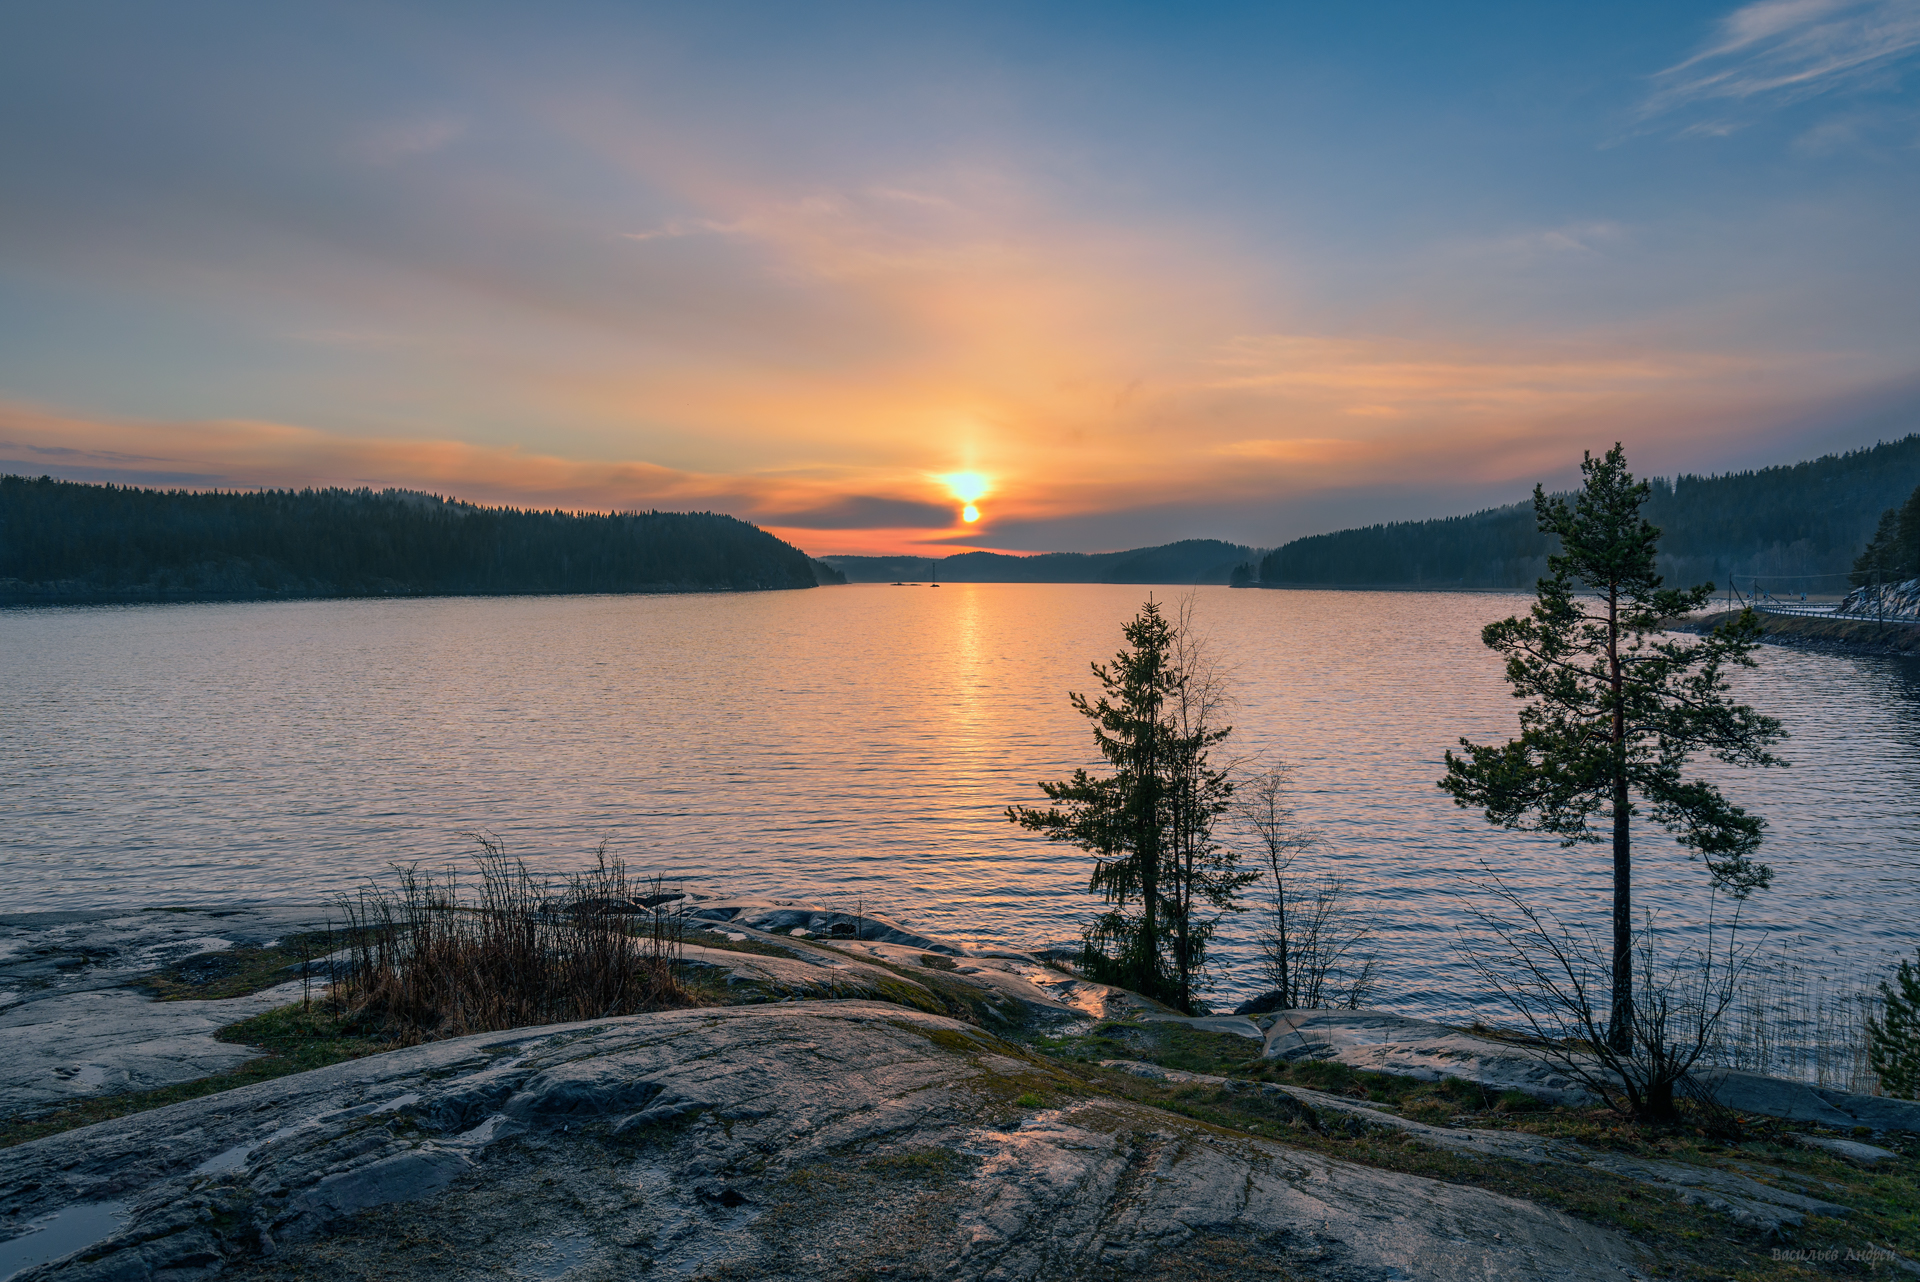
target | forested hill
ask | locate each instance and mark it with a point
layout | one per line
(1189, 561)
(61, 541)
(1797, 528)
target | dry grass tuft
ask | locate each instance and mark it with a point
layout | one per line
(425, 964)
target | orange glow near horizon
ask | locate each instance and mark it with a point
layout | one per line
(1266, 419)
(572, 285)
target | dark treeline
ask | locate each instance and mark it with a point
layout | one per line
(1795, 528)
(1189, 561)
(65, 541)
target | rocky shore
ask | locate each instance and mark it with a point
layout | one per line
(1815, 632)
(864, 1102)
(1897, 601)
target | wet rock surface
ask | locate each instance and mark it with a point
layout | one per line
(1868, 1155)
(52, 955)
(72, 1028)
(791, 1140)
(843, 954)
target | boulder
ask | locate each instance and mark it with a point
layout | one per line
(1265, 1004)
(1797, 1102)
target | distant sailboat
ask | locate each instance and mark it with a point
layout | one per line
(935, 567)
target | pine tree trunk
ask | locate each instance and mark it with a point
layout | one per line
(1620, 1017)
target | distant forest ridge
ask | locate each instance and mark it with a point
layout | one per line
(1189, 561)
(64, 541)
(1794, 528)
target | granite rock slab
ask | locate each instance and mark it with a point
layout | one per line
(803, 1140)
(1379, 1042)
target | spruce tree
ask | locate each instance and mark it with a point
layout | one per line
(1616, 708)
(1149, 824)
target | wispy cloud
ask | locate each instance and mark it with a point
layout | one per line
(250, 453)
(1299, 450)
(390, 144)
(1584, 239)
(1780, 51)
(679, 228)
(1381, 376)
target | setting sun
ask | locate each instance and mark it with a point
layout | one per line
(969, 488)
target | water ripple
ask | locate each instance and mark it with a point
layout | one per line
(855, 743)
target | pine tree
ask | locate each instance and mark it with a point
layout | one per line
(1613, 713)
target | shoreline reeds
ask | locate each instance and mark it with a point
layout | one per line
(1793, 1022)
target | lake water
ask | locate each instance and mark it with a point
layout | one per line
(857, 744)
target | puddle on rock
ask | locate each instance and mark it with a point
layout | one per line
(61, 1233)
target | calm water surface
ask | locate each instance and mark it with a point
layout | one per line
(850, 743)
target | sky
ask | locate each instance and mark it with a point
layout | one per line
(1134, 272)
